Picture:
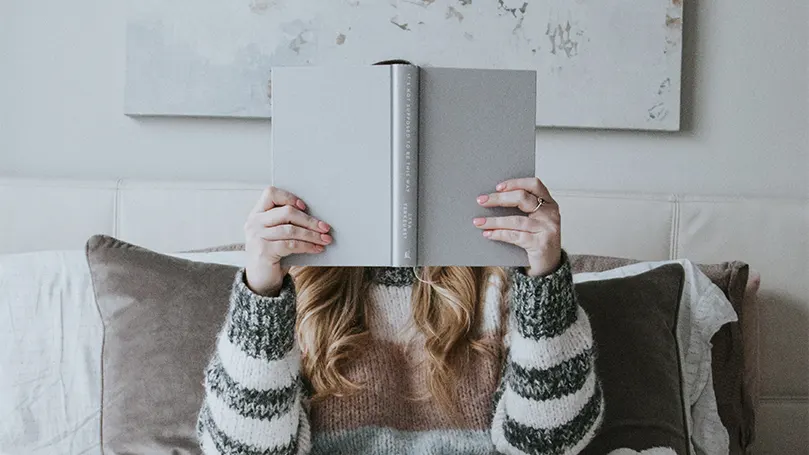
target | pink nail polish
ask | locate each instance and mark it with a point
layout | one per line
(319, 248)
(301, 205)
(487, 234)
(500, 186)
(325, 237)
(482, 199)
(323, 226)
(479, 221)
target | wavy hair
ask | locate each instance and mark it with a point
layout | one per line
(447, 309)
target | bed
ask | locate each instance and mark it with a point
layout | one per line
(769, 234)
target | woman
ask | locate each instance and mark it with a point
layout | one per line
(379, 360)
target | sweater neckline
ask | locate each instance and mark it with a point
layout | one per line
(393, 276)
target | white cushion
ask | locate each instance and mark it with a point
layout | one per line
(50, 352)
(631, 227)
(181, 217)
(773, 236)
(50, 355)
(53, 215)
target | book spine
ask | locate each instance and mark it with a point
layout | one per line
(404, 170)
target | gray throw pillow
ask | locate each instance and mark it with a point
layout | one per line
(634, 322)
(161, 316)
(735, 402)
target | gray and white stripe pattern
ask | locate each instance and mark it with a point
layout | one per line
(549, 400)
(254, 400)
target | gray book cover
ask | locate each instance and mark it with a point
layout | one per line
(340, 142)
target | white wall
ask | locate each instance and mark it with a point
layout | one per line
(745, 110)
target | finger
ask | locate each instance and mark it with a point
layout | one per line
(521, 199)
(520, 238)
(273, 197)
(288, 247)
(291, 232)
(289, 215)
(531, 184)
(516, 223)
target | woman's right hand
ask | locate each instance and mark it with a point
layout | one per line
(278, 227)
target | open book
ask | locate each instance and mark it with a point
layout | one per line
(393, 157)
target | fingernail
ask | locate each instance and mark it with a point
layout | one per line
(323, 226)
(301, 205)
(318, 248)
(479, 221)
(501, 186)
(483, 199)
(487, 234)
(326, 238)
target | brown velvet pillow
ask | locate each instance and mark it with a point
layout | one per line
(634, 321)
(735, 401)
(161, 316)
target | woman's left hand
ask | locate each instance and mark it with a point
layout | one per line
(538, 232)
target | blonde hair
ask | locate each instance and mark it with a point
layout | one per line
(447, 308)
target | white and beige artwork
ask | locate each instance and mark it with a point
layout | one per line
(600, 64)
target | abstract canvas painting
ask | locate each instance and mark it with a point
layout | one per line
(613, 64)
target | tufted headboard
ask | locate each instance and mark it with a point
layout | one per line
(771, 234)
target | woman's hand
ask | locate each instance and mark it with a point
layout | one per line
(278, 227)
(538, 233)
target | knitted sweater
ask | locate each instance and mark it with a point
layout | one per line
(546, 400)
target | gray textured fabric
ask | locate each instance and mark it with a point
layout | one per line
(258, 327)
(263, 327)
(634, 322)
(544, 308)
(161, 316)
(392, 276)
(735, 401)
(542, 441)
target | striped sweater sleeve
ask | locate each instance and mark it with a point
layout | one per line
(549, 400)
(254, 399)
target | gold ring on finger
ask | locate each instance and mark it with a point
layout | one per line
(540, 203)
